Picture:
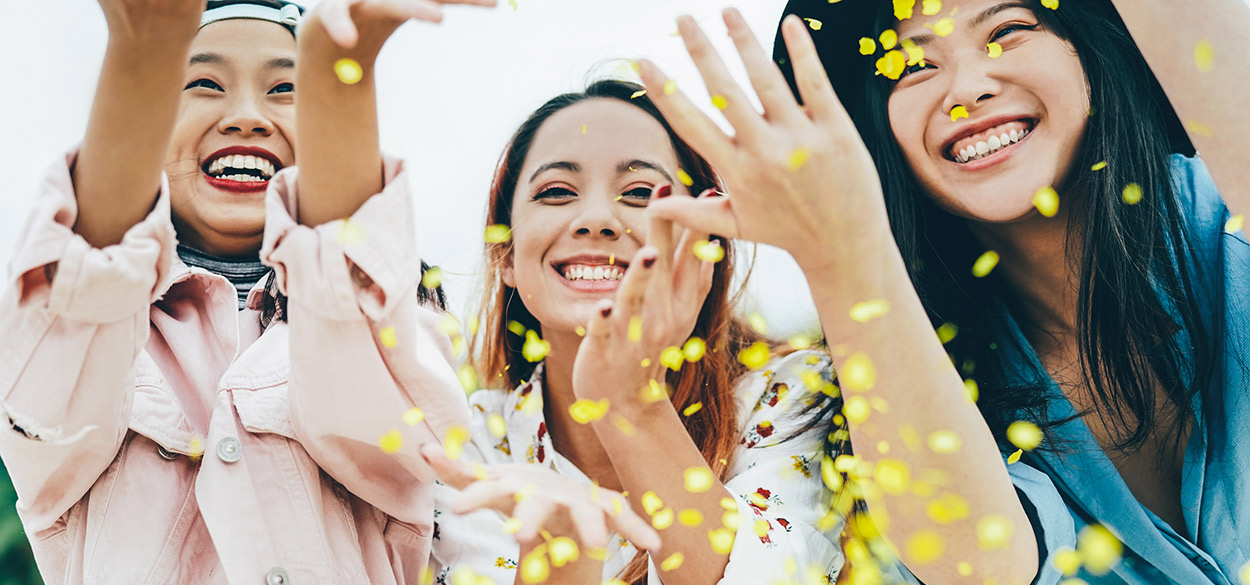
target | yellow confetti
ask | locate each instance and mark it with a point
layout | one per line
(761, 527)
(892, 476)
(815, 24)
(497, 426)
(690, 517)
(662, 519)
(867, 46)
(651, 502)
(963, 568)
(670, 87)
(622, 424)
(698, 479)
(195, 447)
(468, 377)
(1067, 560)
(1132, 193)
(945, 442)
(799, 342)
(985, 264)
(684, 177)
(694, 349)
(903, 9)
(580, 331)
(947, 508)
(1204, 56)
(693, 408)
(348, 71)
(1051, 4)
(924, 547)
(758, 322)
(513, 5)
(866, 311)
(453, 442)
(995, 49)
(722, 540)
(1024, 434)
(1199, 128)
(1244, 574)
(1235, 223)
(931, 7)
(1015, 457)
(944, 26)
(1099, 548)
(672, 562)
(585, 128)
(856, 409)
(387, 336)
(672, 358)
(563, 551)
(798, 158)
(638, 94)
(433, 278)
(709, 251)
(892, 64)
(350, 233)
(958, 112)
(587, 411)
(534, 567)
(1046, 200)
(413, 415)
(994, 532)
(915, 53)
(653, 392)
(1098, 166)
(857, 373)
(634, 331)
(755, 356)
(391, 441)
(719, 102)
(498, 234)
(535, 348)
(946, 332)
(889, 39)
(646, 362)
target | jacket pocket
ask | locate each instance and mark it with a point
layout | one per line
(266, 410)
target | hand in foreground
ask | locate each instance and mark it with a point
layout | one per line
(156, 23)
(799, 177)
(655, 308)
(347, 21)
(537, 499)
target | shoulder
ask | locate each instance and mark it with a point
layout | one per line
(1195, 190)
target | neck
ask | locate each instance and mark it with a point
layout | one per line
(1037, 259)
(576, 442)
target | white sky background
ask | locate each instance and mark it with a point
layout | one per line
(450, 97)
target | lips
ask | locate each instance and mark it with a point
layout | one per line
(986, 137)
(241, 169)
(591, 272)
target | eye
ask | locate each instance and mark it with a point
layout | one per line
(204, 83)
(283, 88)
(1010, 28)
(638, 194)
(916, 68)
(554, 194)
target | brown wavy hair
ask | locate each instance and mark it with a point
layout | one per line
(496, 350)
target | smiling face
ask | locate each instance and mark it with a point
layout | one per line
(235, 130)
(579, 209)
(1027, 109)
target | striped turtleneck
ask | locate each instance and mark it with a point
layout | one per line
(243, 273)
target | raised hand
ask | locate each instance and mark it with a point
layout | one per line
(346, 21)
(152, 21)
(798, 177)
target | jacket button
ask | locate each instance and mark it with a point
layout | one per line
(166, 453)
(277, 576)
(230, 450)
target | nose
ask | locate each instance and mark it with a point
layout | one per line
(973, 82)
(597, 216)
(245, 117)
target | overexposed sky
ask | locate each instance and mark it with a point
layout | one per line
(450, 97)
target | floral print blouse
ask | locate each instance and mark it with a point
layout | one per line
(774, 477)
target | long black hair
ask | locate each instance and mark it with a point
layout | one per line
(1139, 282)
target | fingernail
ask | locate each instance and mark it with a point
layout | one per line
(715, 193)
(606, 312)
(707, 193)
(663, 191)
(647, 262)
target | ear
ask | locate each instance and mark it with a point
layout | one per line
(506, 274)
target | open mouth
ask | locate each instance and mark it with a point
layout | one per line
(988, 141)
(588, 272)
(241, 169)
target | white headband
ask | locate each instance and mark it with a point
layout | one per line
(287, 16)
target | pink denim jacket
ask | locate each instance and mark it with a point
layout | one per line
(156, 435)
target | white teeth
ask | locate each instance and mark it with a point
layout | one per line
(990, 145)
(982, 148)
(594, 273)
(993, 144)
(1004, 139)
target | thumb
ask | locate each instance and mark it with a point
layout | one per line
(456, 474)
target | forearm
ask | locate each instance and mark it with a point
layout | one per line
(655, 458)
(118, 172)
(1210, 103)
(337, 139)
(922, 394)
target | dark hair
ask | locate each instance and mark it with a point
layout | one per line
(497, 350)
(1139, 281)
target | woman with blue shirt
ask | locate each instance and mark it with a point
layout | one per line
(1013, 174)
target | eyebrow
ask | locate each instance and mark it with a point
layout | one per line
(564, 165)
(978, 20)
(216, 59)
(634, 165)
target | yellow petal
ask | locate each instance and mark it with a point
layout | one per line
(587, 411)
(995, 49)
(931, 7)
(638, 94)
(690, 517)
(350, 233)
(1051, 4)
(684, 177)
(755, 356)
(672, 562)
(798, 158)
(694, 349)
(868, 310)
(1200, 128)
(1015, 457)
(958, 112)
(1067, 560)
(513, 5)
(889, 39)
(815, 24)
(857, 373)
(1235, 223)
(391, 441)
(1204, 56)
(867, 46)
(387, 336)
(672, 358)
(622, 424)
(924, 547)
(994, 532)
(348, 71)
(944, 26)
(563, 550)
(722, 540)
(947, 332)
(670, 87)
(498, 234)
(947, 508)
(651, 502)
(719, 102)
(413, 415)
(1132, 193)
(892, 476)
(634, 331)
(698, 479)
(709, 251)
(1046, 200)
(653, 392)
(693, 408)
(856, 409)
(662, 519)
(453, 442)
(535, 348)
(1244, 574)
(1099, 548)
(1024, 434)
(468, 377)
(903, 9)
(985, 264)
(758, 322)
(892, 64)
(1098, 166)
(534, 567)
(945, 442)
(497, 425)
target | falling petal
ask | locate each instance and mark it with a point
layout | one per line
(985, 264)
(1200, 128)
(719, 102)
(867, 46)
(924, 547)
(391, 442)
(946, 332)
(866, 311)
(1014, 457)
(387, 336)
(497, 425)
(892, 476)
(931, 7)
(638, 94)
(815, 24)
(1204, 56)
(587, 411)
(684, 177)
(758, 322)
(1099, 548)
(453, 442)
(694, 349)
(413, 416)
(944, 26)
(563, 551)
(994, 532)
(858, 373)
(670, 87)
(755, 356)
(534, 567)
(672, 562)
(468, 377)
(1132, 193)
(889, 39)
(1051, 4)
(690, 517)
(1098, 166)
(798, 158)
(945, 442)
(662, 519)
(634, 331)
(651, 502)
(722, 540)
(903, 9)
(1046, 200)
(535, 348)
(622, 424)
(698, 479)
(1235, 223)
(856, 409)
(693, 408)
(709, 251)
(958, 112)
(498, 234)
(995, 49)
(348, 71)
(672, 358)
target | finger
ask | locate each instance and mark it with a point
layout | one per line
(737, 107)
(456, 474)
(686, 119)
(531, 513)
(683, 256)
(337, 20)
(425, 10)
(767, 80)
(600, 326)
(497, 495)
(631, 526)
(809, 73)
(632, 293)
(689, 272)
(712, 215)
(590, 524)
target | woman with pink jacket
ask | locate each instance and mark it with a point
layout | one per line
(174, 411)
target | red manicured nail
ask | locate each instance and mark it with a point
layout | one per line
(707, 193)
(648, 262)
(715, 193)
(606, 312)
(663, 191)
